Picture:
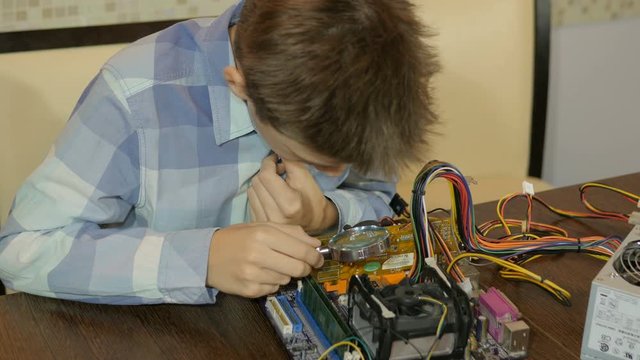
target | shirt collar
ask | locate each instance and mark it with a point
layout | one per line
(231, 117)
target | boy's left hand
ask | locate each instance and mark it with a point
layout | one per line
(296, 200)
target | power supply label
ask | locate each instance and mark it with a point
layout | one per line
(615, 325)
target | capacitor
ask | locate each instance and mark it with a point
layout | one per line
(481, 329)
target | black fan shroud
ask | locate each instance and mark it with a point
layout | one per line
(415, 317)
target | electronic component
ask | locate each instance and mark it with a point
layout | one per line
(499, 310)
(402, 321)
(386, 269)
(278, 316)
(329, 322)
(516, 338)
(499, 334)
(310, 341)
(612, 327)
(296, 324)
(481, 329)
(321, 312)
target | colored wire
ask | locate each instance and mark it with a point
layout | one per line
(633, 198)
(517, 272)
(440, 324)
(406, 341)
(519, 240)
(340, 343)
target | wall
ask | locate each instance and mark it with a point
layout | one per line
(594, 95)
(37, 93)
(483, 94)
(485, 88)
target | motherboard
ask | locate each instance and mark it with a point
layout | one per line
(347, 302)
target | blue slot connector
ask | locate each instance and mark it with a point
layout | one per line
(291, 314)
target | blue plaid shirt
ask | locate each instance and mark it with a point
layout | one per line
(157, 154)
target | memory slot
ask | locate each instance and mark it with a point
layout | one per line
(324, 313)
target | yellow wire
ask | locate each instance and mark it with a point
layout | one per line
(454, 214)
(440, 324)
(521, 272)
(600, 257)
(334, 346)
(500, 217)
(620, 191)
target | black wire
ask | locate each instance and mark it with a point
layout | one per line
(439, 209)
(407, 341)
(583, 250)
(548, 207)
(398, 335)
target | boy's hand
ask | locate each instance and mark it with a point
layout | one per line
(296, 200)
(253, 260)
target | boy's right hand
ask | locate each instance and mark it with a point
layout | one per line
(253, 260)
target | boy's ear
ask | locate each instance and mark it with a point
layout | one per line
(236, 82)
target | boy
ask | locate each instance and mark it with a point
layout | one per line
(166, 184)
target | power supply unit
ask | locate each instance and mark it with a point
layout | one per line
(612, 328)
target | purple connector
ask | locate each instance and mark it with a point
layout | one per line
(499, 310)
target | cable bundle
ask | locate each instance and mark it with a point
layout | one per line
(511, 249)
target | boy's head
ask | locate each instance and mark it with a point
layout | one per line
(348, 80)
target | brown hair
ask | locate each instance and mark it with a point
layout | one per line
(349, 78)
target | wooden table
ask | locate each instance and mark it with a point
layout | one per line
(32, 327)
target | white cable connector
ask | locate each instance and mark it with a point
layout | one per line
(434, 264)
(634, 218)
(351, 355)
(527, 188)
(466, 286)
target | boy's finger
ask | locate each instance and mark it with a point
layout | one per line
(258, 213)
(286, 265)
(298, 232)
(271, 277)
(298, 175)
(295, 248)
(267, 199)
(273, 188)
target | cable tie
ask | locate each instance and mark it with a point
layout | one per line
(579, 245)
(421, 193)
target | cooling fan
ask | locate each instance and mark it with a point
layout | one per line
(627, 263)
(408, 321)
(612, 328)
